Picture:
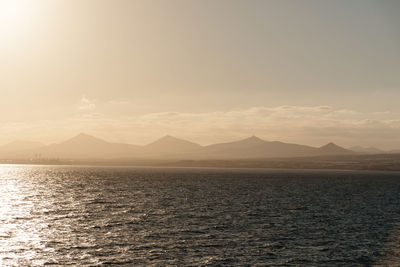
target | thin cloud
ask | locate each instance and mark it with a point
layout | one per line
(86, 104)
(306, 125)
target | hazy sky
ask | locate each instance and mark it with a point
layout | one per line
(306, 71)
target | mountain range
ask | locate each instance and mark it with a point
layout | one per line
(85, 146)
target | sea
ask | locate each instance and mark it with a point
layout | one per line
(142, 216)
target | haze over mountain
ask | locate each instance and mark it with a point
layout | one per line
(169, 145)
(85, 146)
(333, 149)
(19, 145)
(254, 147)
(367, 150)
(19, 149)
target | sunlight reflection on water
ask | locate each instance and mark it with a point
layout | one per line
(89, 216)
(18, 230)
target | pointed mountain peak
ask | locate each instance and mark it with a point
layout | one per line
(331, 145)
(168, 137)
(170, 143)
(84, 138)
(333, 149)
(252, 140)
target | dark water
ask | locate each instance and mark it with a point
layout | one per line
(138, 216)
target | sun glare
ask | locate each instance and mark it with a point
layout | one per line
(16, 16)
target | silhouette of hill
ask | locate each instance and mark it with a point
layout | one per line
(84, 146)
(254, 147)
(367, 150)
(87, 146)
(333, 149)
(170, 146)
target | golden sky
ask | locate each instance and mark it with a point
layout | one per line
(304, 71)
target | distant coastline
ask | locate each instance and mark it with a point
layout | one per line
(169, 151)
(379, 162)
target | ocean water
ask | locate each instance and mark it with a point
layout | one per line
(90, 216)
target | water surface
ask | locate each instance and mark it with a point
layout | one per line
(158, 216)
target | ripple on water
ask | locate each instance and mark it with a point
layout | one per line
(136, 216)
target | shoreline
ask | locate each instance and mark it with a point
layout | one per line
(355, 163)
